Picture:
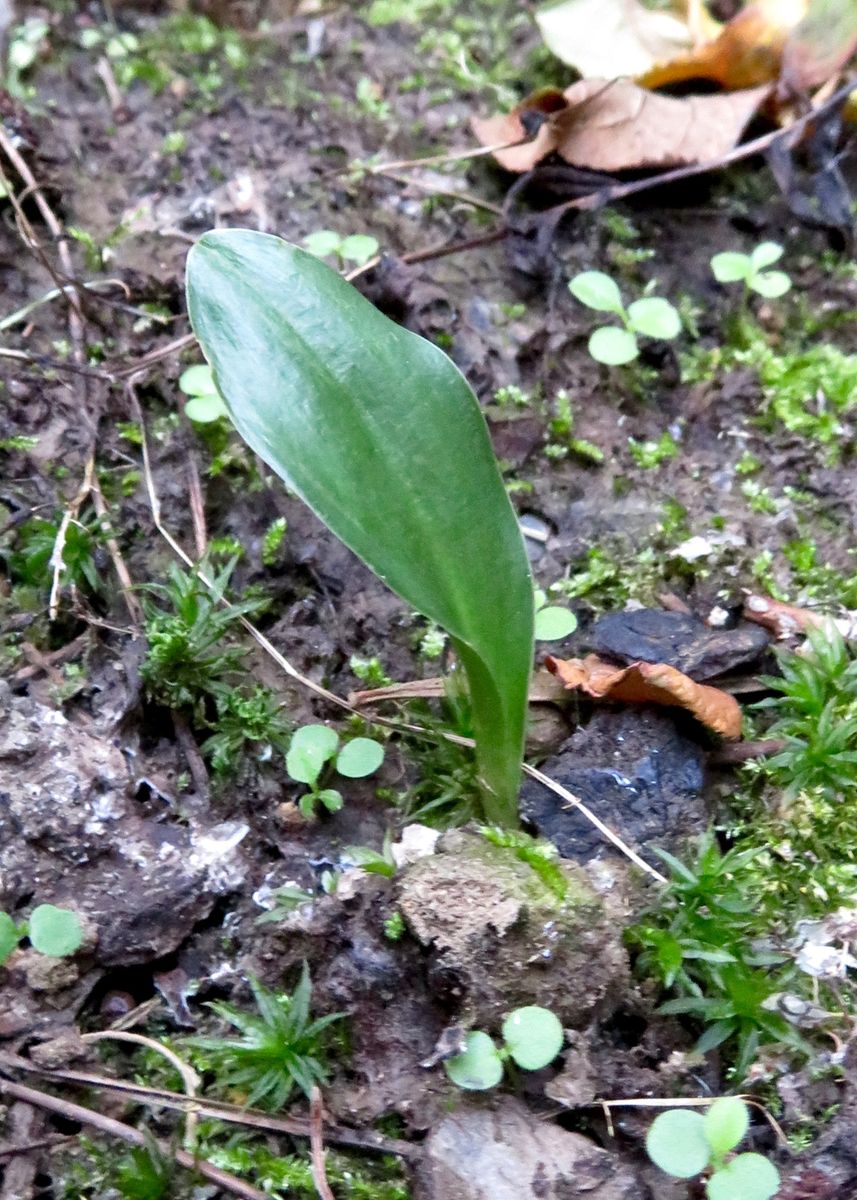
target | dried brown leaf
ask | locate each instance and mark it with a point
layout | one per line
(651, 683)
(611, 37)
(820, 45)
(616, 126)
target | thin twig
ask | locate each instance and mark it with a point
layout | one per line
(446, 193)
(440, 159)
(57, 562)
(118, 105)
(126, 584)
(316, 1142)
(97, 1120)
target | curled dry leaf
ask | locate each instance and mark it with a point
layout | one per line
(789, 621)
(746, 53)
(611, 37)
(616, 126)
(651, 683)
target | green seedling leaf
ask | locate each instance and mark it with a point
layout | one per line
(359, 757)
(323, 242)
(533, 1036)
(198, 381)
(378, 432)
(359, 248)
(55, 931)
(597, 290)
(726, 1123)
(676, 1143)
(205, 409)
(331, 799)
(310, 748)
(731, 267)
(9, 936)
(765, 254)
(746, 1177)
(554, 622)
(654, 317)
(613, 347)
(771, 284)
(479, 1067)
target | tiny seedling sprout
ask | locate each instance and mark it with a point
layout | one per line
(312, 748)
(650, 316)
(357, 248)
(56, 932)
(532, 1038)
(684, 1144)
(553, 622)
(204, 404)
(750, 269)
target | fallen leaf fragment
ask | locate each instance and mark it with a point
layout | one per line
(819, 46)
(650, 683)
(544, 689)
(747, 52)
(610, 126)
(789, 620)
(611, 37)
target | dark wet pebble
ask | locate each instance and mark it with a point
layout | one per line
(681, 640)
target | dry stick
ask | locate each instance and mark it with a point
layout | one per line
(219, 1110)
(316, 1142)
(86, 1116)
(446, 193)
(571, 800)
(118, 106)
(56, 561)
(126, 584)
(439, 159)
(186, 1073)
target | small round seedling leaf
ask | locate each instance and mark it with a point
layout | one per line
(765, 254)
(726, 1123)
(197, 381)
(359, 757)
(746, 1177)
(310, 748)
(655, 317)
(613, 347)
(331, 799)
(55, 931)
(731, 267)
(596, 290)
(771, 284)
(479, 1067)
(359, 248)
(533, 1036)
(553, 623)
(323, 242)
(205, 409)
(676, 1143)
(9, 936)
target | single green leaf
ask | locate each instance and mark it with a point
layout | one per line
(771, 284)
(197, 381)
(726, 1123)
(359, 757)
(654, 317)
(331, 799)
(380, 434)
(553, 623)
(55, 931)
(479, 1067)
(310, 748)
(204, 409)
(323, 242)
(676, 1143)
(359, 248)
(9, 936)
(533, 1036)
(612, 346)
(597, 290)
(765, 254)
(745, 1177)
(731, 267)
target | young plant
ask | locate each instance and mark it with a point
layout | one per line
(750, 269)
(204, 403)
(279, 1048)
(312, 748)
(684, 1144)
(357, 248)
(553, 622)
(378, 432)
(532, 1038)
(56, 932)
(247, 724)
(650, 316)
